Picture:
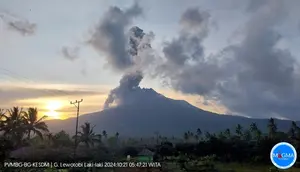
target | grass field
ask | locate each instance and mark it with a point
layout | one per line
(235, 167)
(250, 168)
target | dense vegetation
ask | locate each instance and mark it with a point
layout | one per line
(195, 151)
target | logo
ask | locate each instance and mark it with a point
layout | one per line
(283, 155)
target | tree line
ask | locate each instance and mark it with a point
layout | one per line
(19, 127)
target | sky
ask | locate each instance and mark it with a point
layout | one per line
(235, 56)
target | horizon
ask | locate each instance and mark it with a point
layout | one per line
(100, 51)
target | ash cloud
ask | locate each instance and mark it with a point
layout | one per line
(138, 41)
(127, 50)
(122, 94)
(127, 91)
(70, 53)
(254, 5)
(184, 55)
(267, 82)
(254, 78)
(18, 24)
(110, 36)
(194, 18)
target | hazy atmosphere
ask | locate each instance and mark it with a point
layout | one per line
(232, 57)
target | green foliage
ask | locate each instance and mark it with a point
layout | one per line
(5, 147)
(33, 124)
(16, 123)
(62, 139)
(87, 135)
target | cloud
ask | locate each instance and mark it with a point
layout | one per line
(184, 55)
(267, 80)
(18, 24)
(254, 5)
(10, 94)
(109, 36)
(193, 18)
(254, 77)
(70, 53)
(188, 46)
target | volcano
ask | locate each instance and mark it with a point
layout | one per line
(149, 112)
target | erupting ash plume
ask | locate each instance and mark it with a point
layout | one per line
(122, 94)
(124, 49)
(253, 77)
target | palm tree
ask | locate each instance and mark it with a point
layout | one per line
(104, 133)
(272, 128)
(14, 125)
(33, 124)
(199, 133)
(227, 133)
(186, 136)
(253, 127)
(255, 131)
(87, 135)
(238, 130)
(117, 135)
(2, 119)
(294, 131)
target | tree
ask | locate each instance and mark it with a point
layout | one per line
(87, 135)
(5, 147)
(61, 139)
(13, 126)
(227, 133)
(247, 135)
(272, 128)
(165, 149)
(157, 137)
(104, 134)
(49, 138)
(208, 135)
(2, 119)
(238, 130)
(198, 134)
(186, 136)
(33, 124)
(117, 135)
(196, 137)
(255, 131)
(294, 129)
(221, 136)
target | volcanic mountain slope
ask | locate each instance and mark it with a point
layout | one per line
(151, 112)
